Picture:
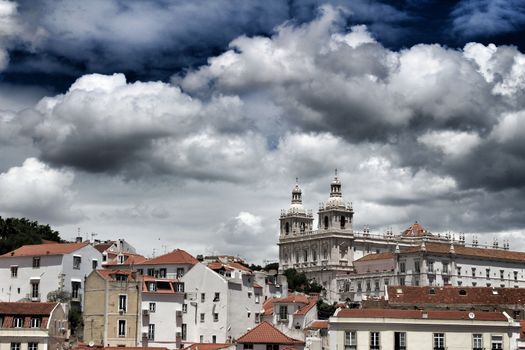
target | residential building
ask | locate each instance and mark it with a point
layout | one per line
(171, 265)
(266, 337)
(389, 329)
(292, 314)
(32, 271)
(162, 300)
(112, 308)
(110, 249)
(317, 335)
(32, 326)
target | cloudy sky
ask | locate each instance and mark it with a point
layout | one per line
(179, 124)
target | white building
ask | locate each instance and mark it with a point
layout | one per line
(32, 326)
(338, 257)
(162, 300)
(388, 329)
(32, 271)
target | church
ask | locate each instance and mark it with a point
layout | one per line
(355, 266)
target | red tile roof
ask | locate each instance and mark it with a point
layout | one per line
(376, 256)
(293, 298)
(129, 259)
(318, 324)
(415, 230)
(265, 333)
(419, 314)
(45, 249)
(102, 247)
(26, 308)
(178, 256)
(413, 295)
(486, 253)
(82, 346)
(110, 275)
(312, 302)
(208, 346)
(522, 330)
(268, 307)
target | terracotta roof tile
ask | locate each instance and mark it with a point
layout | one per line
(415, 230)
(318, 324)
(293, 298)
(208, 346)
(45, 249)
(178, 256)
(129, 259)
(376, 256)
(268, 307)
(110, 275)
(487, 253)
(312, 301)
(102, 247)
(413, 295)
(26, 308)
(420, 314)
(265, 333)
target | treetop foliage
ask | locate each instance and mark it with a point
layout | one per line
(16, 232)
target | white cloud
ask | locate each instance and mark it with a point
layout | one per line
(452, 143)
(9, 27)
(36, 191)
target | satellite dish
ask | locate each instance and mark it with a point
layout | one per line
(471, 315)
(91, 344)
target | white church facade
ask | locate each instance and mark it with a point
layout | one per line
(352, 265)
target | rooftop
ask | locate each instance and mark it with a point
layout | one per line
(26, 308)
(45, 249)
(420, 314)
(265, 333)
(178, 256)
(208, 346)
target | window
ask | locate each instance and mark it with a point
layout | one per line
(459, 270)
(184, 330)
(367, 286)
(152, 307)
(446, 281)
(75, 288)
(94, 264)
(374, 340)
(247, 346)
(272, 346)
(36, 262)
(36, 322)
(201, 337)
(215, 317)
(496, 342)
(184, 308)
(473, 272)
(14, 271)
(502, 274)
(203, 297)
(121, 277)
(417, 267)
(376, 285)
(180, 272)
(202, 317)
(32, 346)
(477, 341)
(121, 328)
(35, 294)
(431, 266)
(179, 287)
(283, 312)
(249, 314)
(305, 255)
(122, 302)
(151, 331)
(257, 317)
(297, 256)
(314, 255)
(217, 296)
(249, 295)
(400, 341)
(431, 281)
(401, 281)
(350, 340)
(416, 281)
(120, 259)
(515, 275)
(76, 262)
(325, 254)
(257, 298)
(445, 267)
(162, 273)
(402, 267)
(15, 346)
(152, 287)
(213, 339)
(151, 272)
(18, 322)
(439, 341)
(358, 286)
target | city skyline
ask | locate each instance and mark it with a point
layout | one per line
(153, 128)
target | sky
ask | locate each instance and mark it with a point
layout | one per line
(177, 124)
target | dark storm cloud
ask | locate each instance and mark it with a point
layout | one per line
(62, 40)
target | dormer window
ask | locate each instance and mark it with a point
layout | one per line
(121, 277)
(120, 259)
(152, 287)
(36, 322)
(18, 322)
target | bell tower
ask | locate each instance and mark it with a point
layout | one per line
(296, 220)
(335, 214)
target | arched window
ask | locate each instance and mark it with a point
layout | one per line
(305, 254)
(303, 227)
(287, 228)
(326, 222)
(297, 256)
(325, 253)
(314, 255)
(343, 221)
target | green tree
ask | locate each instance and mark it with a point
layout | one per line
(298, 282)
(59, 295)
(325, 310)
(16, 232)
